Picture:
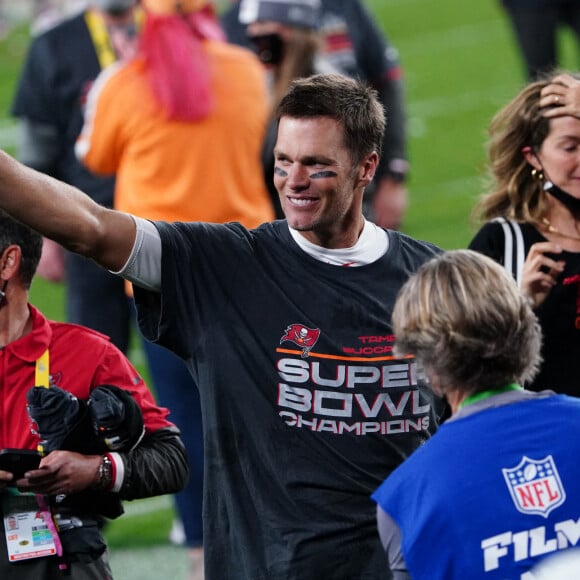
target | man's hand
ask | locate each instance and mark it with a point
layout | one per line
(389, 203)
(561, 97)
(540, 272)
(5, 479)
(62, 472)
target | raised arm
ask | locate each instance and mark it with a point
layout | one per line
(65, 214)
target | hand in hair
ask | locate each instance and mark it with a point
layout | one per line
(561, 97)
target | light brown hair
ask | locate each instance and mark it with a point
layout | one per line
(465, 320)
(514, 193)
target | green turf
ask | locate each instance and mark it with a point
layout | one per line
(145, 523)
(460, 66)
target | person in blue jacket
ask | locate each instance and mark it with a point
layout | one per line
(495, 490)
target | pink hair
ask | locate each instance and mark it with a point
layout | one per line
(178, 67)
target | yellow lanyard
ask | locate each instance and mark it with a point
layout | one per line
(100, 37)
(41, 374)
(42, 379)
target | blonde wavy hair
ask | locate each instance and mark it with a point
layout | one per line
(514, 193)
(465, 320)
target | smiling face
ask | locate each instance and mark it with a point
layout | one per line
(560, 154)
(320, 190)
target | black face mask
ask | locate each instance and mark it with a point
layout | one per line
(268, 47)
(571, 202)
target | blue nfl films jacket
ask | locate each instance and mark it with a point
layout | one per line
(492, 493)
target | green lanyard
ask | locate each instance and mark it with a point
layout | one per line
(479, 396)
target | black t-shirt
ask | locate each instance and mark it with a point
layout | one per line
(60, 66)
(559, 314)
(305, 409)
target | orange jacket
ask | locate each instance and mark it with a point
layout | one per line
(207, 170)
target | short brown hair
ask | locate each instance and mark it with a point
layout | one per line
(352, 103)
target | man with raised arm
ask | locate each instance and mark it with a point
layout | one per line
(305, 408)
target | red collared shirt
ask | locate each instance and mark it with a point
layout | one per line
(80, 360)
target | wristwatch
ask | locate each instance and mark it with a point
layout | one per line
(104, 474)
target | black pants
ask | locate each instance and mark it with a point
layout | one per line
(97, 299)
(47, 569)
(536, 28)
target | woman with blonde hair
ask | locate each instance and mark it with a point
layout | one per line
(495, 490)
(532, 221)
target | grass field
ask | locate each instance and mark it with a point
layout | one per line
(460, 66)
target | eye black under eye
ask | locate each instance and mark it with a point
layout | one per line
(322, 174)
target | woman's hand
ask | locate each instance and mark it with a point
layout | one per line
(541, 272)
(561, 97)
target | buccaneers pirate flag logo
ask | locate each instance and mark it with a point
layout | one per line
(302, 336)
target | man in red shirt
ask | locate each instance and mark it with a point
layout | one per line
(74, 361)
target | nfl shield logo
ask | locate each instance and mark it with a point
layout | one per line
(535, 486)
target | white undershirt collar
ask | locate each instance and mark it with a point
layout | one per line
(371, 245)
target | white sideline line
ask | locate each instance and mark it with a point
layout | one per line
(451, 39)
(460, 187)
(446, 106)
